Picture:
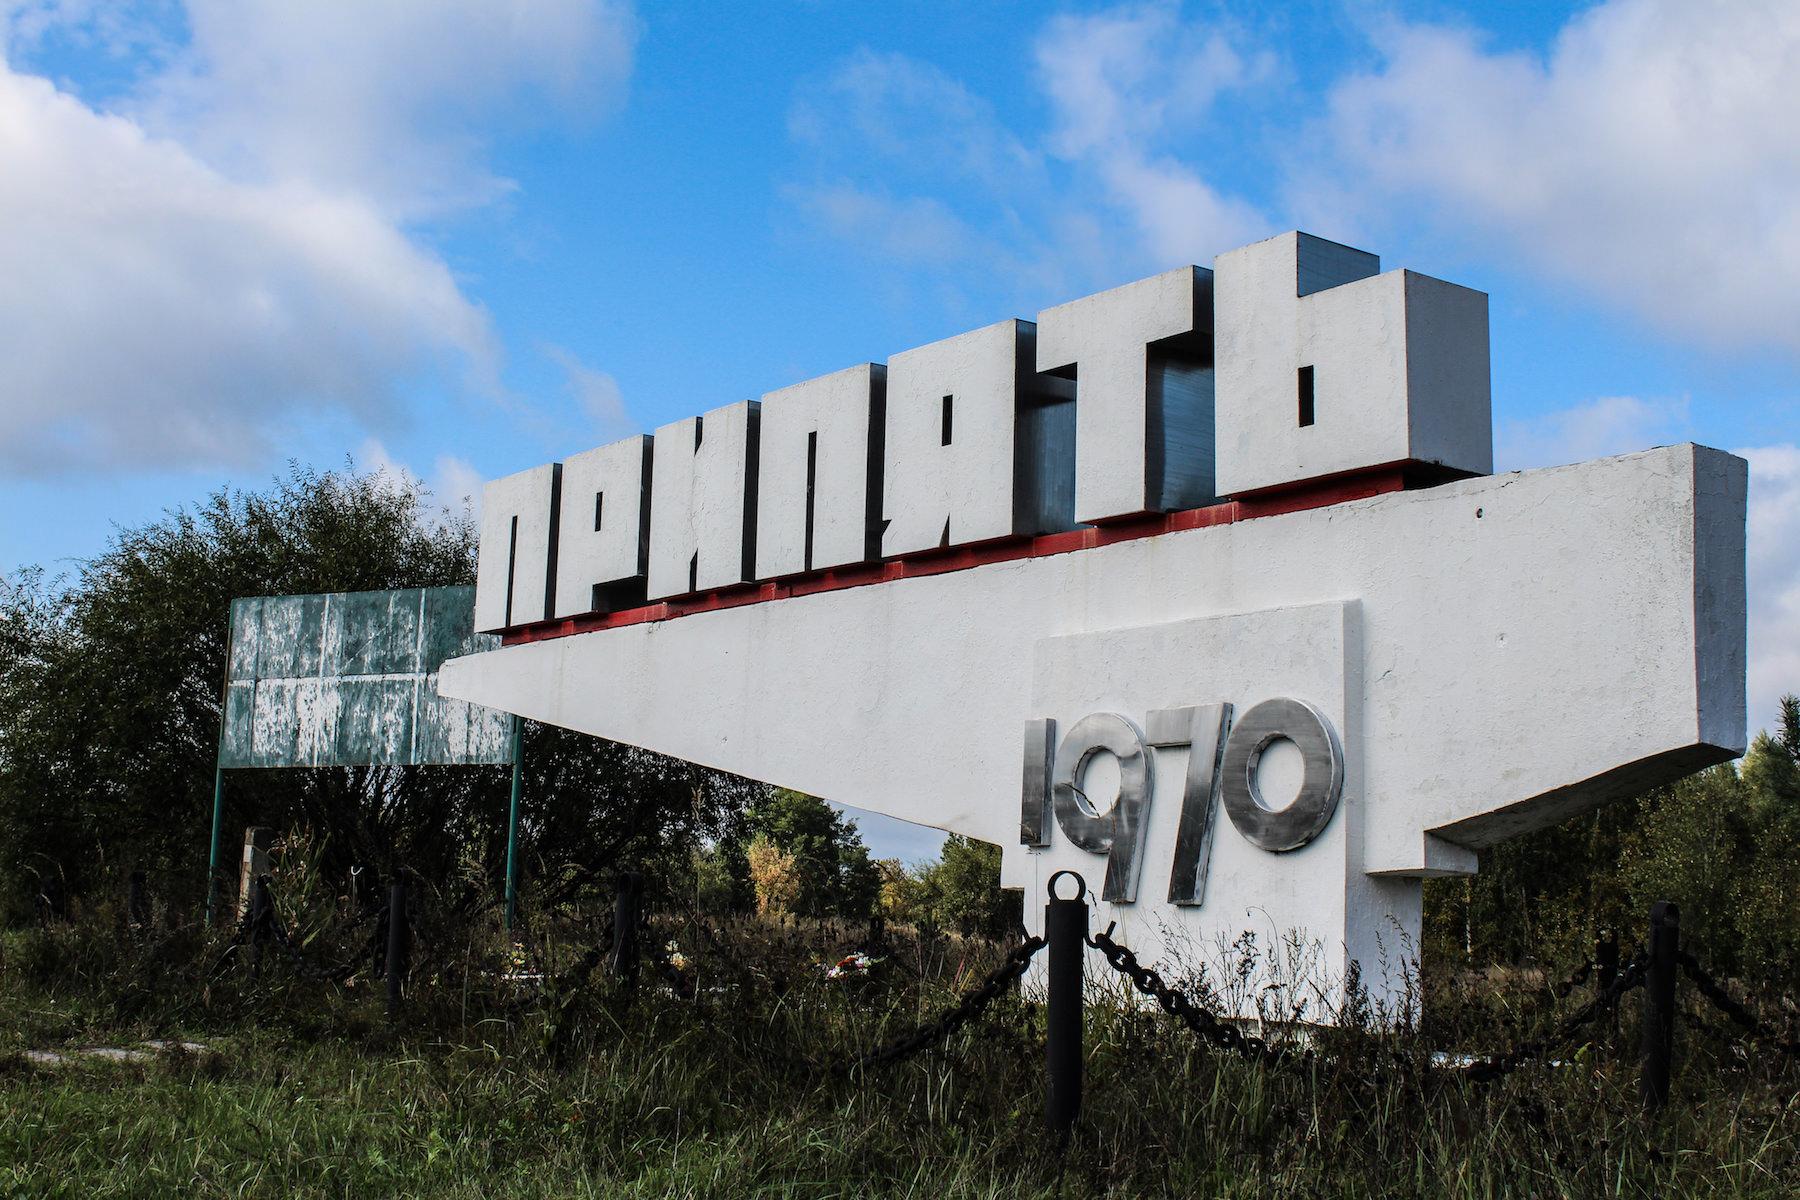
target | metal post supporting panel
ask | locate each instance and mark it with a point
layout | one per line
(1065, 931)
(512, 822)
(212, 860)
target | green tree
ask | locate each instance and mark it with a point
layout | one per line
(110, 689)
(962, 890)
(836, 875)
(1724, 844)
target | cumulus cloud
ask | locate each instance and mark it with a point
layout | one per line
(910, 166)
(389, 100)
(1774, 578)
(1124, 85)
(154, 311)
(914, 229)
(228, 250)
(453, 483)
(1651, 157)
(918, 168)
(598, 395)
(912, 117)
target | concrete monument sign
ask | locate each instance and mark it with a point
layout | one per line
(1200, 586)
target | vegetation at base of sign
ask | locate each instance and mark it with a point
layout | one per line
(960, 891)
(554, 1084)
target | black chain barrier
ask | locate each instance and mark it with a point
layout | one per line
(1226, 1036)
(1576, 978)
(972, 1004)
(1728, 1004)
(1630, 975)
(261, 925)
(583, 967)
(1179, 1005)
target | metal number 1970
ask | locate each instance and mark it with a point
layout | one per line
(1222, 761)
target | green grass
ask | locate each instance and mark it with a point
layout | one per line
(309, 1092)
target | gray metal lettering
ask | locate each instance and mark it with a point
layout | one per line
(1119, 832)
(1321, 786)
(1034, 798)
(1202, 729)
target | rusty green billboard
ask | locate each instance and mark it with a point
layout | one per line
(350, 679)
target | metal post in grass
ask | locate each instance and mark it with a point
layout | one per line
(257, 918)
(1659, 1004)
(1065, 932)
(627, 904)
(137, 900)
(396, 948)
(255, 863)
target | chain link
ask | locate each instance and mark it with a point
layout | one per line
(967, 1009)
(1179, 1005)
(1728, 1004)
(262, 924)
(1630, 975)
(1576, 978)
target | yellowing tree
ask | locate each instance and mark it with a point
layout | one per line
(774, 875)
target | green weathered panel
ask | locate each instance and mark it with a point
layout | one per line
(246, 620)
(350, 679)
(290, 641)
(373, 633)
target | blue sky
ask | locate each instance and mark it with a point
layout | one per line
(457, 239)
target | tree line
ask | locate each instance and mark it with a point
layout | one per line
(110, 699)
(111, 688)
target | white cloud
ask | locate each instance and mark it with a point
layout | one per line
(1774, 579)
(598, 394)
(916, 120)
(185, 280)
(454, 484)
(387, 100)
(153, 311)
(912, 167)
(1651, 157)
(914, 229)
(1608, 425)
(1123, 86)
(917, 168)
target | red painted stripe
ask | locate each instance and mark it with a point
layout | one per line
(1317, 494)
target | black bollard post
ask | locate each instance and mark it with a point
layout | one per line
(1659, 1004)
(627, 903)
(137, 901)
(1065, 931)
(373, 888)
(257, 916)
(396, 948)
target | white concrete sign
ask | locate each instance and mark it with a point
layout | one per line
(1199, 586)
